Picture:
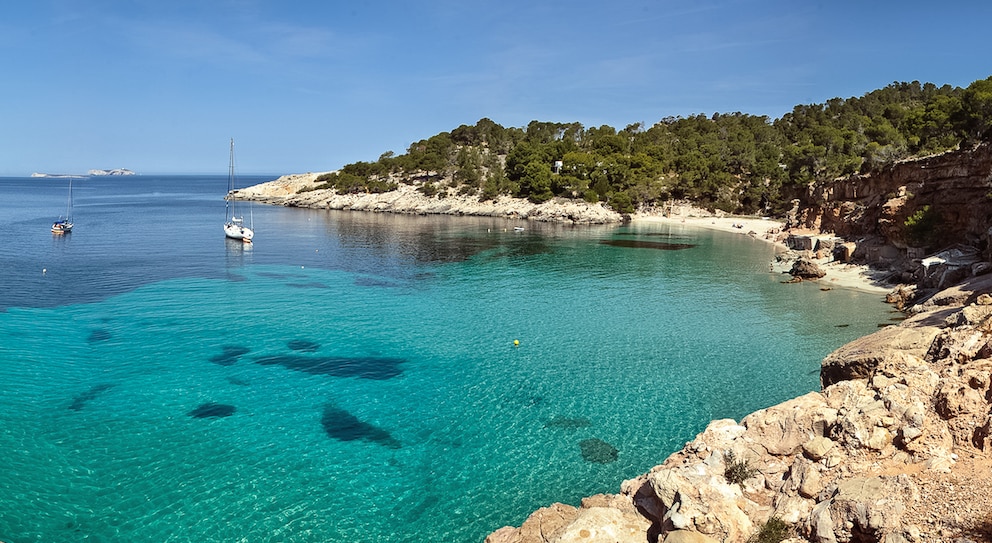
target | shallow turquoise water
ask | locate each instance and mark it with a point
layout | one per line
(380, 397)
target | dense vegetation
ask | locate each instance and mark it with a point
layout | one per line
(734, 162)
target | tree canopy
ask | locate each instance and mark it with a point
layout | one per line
(735, 162)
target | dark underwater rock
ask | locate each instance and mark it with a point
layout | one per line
(313, 284)
(79, 401)
(365, 367)
(229, 355)
(344, 426)
(212, 410)
(598, 451)
(303, 345)
(98, 335)
(568, 423)
(640, 244)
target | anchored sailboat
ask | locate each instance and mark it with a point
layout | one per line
(64, 225)
(234, 224)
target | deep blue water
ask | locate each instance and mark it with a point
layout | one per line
(353, 376)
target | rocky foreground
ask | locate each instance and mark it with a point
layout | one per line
(895, 448)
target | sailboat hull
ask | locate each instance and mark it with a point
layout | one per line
(62, 228)
(237, 231)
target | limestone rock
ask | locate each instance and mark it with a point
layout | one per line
(804, 268)
(687, 536)
(604, 525)
(817, 448)
(862, 509)
(861, 357)
(407, 199)
(546, 523)
(782, 429)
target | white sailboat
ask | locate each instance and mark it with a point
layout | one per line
(64, 224)
(234, 224)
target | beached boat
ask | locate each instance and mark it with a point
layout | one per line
(64, 224)
(234, 223)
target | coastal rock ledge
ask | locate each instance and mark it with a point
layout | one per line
(285, 191)
(896, 447)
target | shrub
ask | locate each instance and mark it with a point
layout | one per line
(921, 226)
(428, 189)
(737, 471)
(773, 531)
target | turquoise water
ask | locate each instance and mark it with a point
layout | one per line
(374, 389)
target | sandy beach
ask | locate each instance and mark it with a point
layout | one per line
(839, 274)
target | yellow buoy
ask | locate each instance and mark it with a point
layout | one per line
(516, 343)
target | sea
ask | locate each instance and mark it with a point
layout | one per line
(356, 376)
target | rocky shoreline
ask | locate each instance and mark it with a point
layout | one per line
(407, 199)
(894, 448)
(286, 191)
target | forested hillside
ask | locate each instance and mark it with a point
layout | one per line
(735, 162)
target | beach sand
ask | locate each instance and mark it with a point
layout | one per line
(838, 274)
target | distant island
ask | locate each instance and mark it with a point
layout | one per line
(115, 171)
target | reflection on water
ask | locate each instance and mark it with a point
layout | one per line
(114, 252)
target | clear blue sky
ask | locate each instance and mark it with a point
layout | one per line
(159, 86)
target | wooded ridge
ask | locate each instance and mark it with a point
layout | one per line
(733, 162)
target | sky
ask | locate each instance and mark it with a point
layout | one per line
(161, 86)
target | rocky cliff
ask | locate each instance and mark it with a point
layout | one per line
(913, 209)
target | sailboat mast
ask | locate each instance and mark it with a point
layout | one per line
(230, 182)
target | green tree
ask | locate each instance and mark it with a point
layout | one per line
(535, 184)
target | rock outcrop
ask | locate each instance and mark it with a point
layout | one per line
(407, 199)
(904, 420)
(894, 218)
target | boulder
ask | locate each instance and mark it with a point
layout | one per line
(806, 269)
(783, 429)
(687, 536)
(545, 523)
(862, 509)
(891, 345)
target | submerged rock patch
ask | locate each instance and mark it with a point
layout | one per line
(98, 335)
(212, 410)
(641, 244)
(313, 284)
(340, 424)
(364, 367)
(598, 451)
(303, 345)
(79, 401)
(373, 282)
(568, 423)
(229, 355)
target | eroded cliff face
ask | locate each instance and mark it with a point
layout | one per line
(951, 193)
